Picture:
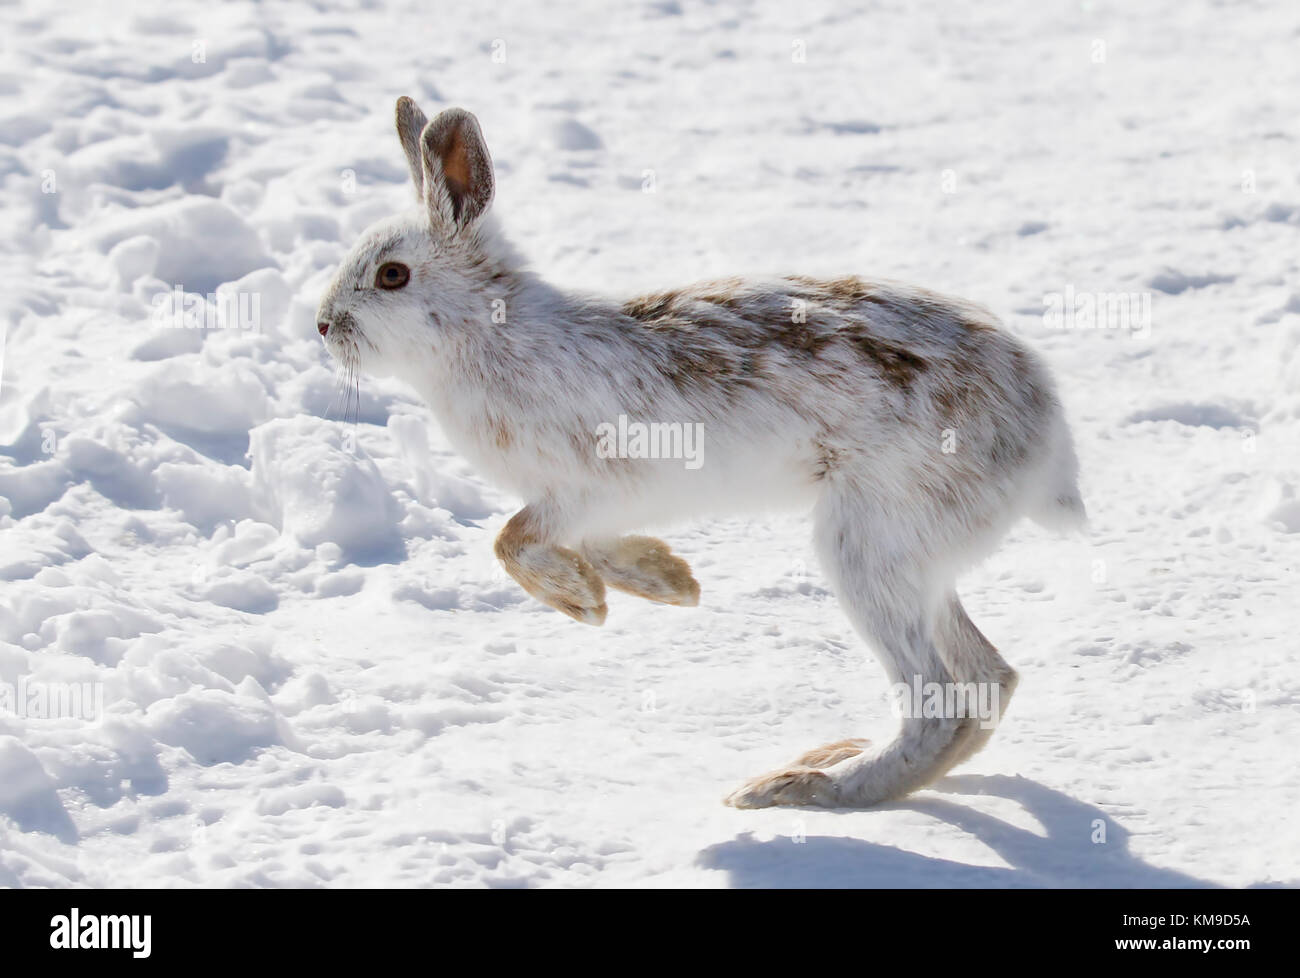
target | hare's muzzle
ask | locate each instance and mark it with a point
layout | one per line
(332, 323)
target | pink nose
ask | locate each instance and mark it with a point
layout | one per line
(323, 328)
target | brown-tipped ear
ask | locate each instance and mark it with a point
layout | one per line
(410, 123)
(458, 182)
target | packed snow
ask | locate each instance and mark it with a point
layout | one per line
(251, 629)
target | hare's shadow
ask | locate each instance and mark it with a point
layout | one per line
(1071, 854)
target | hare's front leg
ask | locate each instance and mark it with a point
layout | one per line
(556, 576)
(645, 567)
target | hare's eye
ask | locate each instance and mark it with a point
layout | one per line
(392, 275)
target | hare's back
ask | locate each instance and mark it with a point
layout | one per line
(921, 349)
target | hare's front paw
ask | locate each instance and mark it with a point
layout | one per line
(645, 567)
(559, 577)
(556, 576)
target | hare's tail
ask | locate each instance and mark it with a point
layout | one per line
(1056, 503)
(952, 684)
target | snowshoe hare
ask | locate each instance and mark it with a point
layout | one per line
(914, 428)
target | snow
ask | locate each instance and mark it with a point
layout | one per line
(313, 671)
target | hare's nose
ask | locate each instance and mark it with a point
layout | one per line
(322, 328)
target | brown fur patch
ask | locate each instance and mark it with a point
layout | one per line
(724, 292)
(518, 532)
(501, 434)
(898, 366)
(845, 291)
(722, 350)
(828, 458)
(700, 367)
(950, 402)
(673, 309)
(833, 753)
(974, 325)
(803, 338)
(652, 306)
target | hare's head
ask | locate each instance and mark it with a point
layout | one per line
(412, 276)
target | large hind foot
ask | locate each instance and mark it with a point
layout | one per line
(800, 784)
(645, 567)
(792, 786)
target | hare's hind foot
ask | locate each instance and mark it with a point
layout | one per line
(792, 786)
(556, 576)
(645, 567)
(803, 783)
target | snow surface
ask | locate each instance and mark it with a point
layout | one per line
(313, 672)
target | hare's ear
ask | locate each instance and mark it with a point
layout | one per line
(458, 180)
(410, 123)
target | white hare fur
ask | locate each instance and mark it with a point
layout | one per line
(832, 395)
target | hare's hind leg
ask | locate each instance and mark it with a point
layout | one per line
(645, 567)
(556, 576)
(888, 595)
(972, 658)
